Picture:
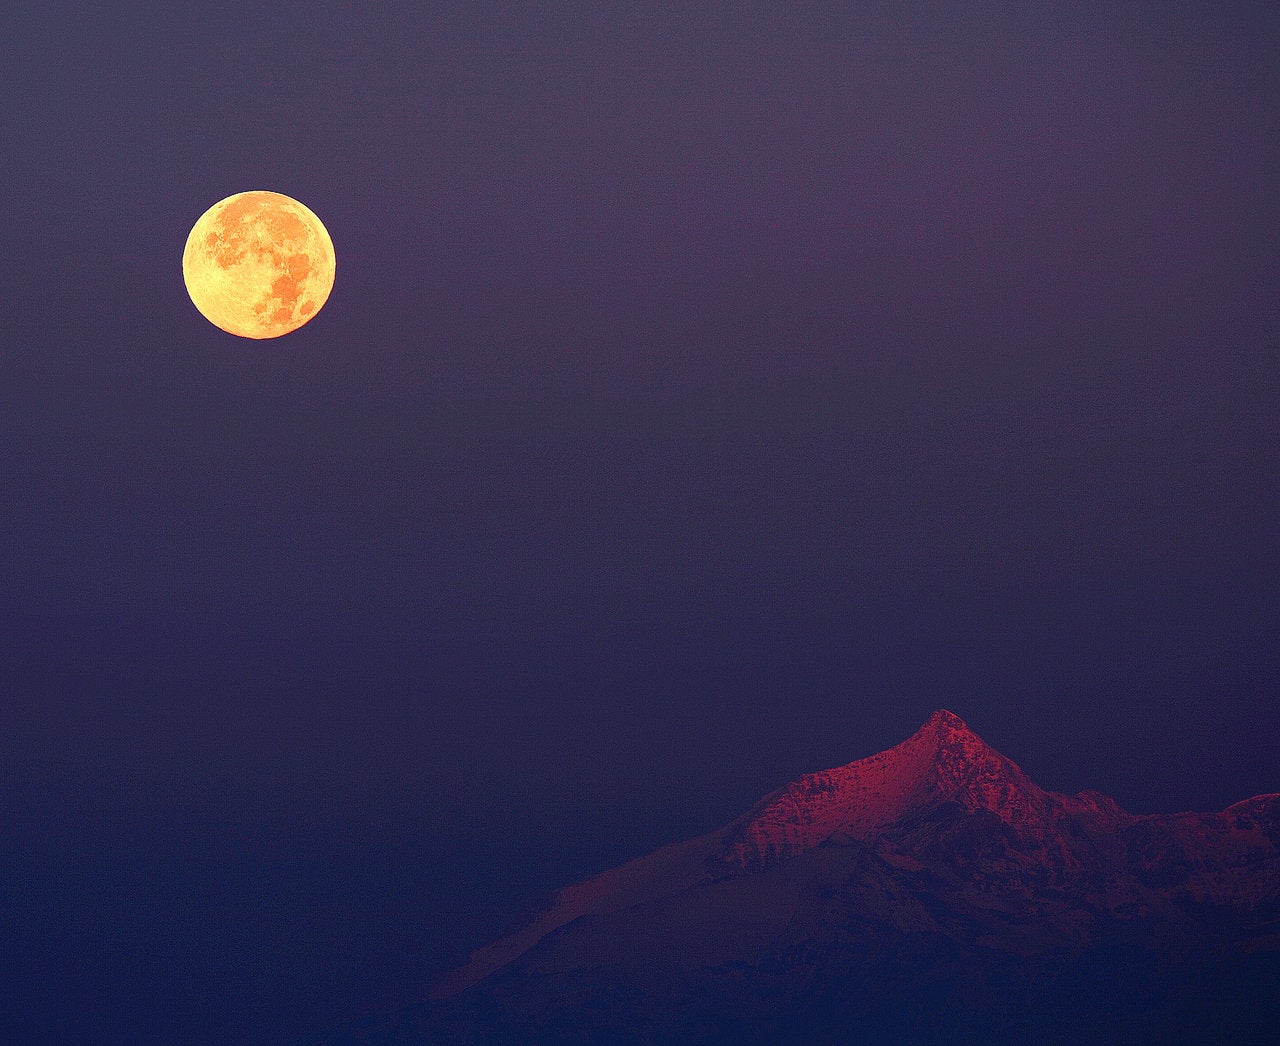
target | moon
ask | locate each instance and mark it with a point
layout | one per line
(258, 264)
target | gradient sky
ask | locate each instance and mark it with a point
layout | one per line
(708, 393)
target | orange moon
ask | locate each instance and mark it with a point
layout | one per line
(258, 264)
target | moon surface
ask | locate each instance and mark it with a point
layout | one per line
(258, 264)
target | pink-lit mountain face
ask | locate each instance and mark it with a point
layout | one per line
(927, 892)
(943, 762)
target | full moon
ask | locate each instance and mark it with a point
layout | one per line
(258, 264)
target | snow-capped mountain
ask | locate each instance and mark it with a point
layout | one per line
(932, 892)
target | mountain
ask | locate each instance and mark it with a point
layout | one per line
(930, 893)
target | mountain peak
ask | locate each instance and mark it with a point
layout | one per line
(949, 720)
(943, 761)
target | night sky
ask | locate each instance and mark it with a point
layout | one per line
(709, 392)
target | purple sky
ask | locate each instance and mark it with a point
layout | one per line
(708, 393)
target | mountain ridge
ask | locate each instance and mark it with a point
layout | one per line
(940, 834)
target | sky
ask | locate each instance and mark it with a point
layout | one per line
(707, 394)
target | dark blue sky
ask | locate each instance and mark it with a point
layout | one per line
(708, 393)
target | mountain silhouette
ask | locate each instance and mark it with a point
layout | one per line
(930, 893)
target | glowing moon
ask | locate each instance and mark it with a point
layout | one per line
(258, 264)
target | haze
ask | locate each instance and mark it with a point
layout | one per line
(710, 393)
